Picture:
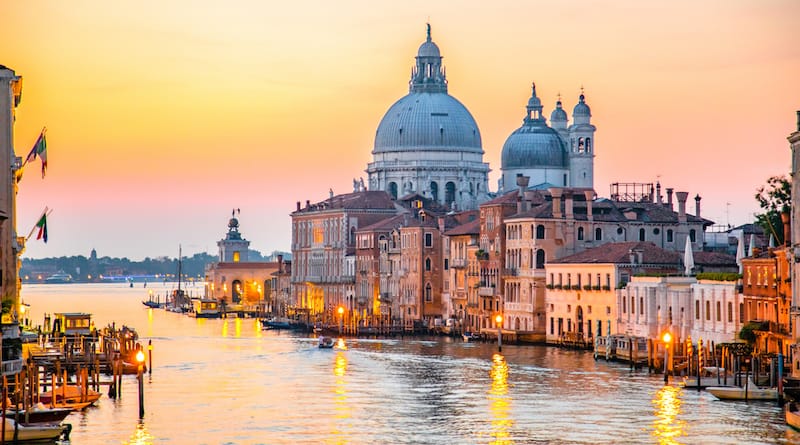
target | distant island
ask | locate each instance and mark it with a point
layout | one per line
(93, 269)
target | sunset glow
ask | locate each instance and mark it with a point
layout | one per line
(162, 117)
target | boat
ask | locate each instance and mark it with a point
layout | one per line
(282, 323)
(325, 342)
(154, 304)
(59, 278)
(750, 392)
(792, 415)
(206, 308)
(39, 413)
(36, 432)
(70, 396)
(180, 301)
(470, 336)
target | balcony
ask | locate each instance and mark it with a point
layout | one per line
(485, 291)
(458, 263)
(518, 307)
(510, 272)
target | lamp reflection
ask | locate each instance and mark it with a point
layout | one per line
(141, 436)
(339, 433)
(666, 426)
(500, 401)
(237, 323)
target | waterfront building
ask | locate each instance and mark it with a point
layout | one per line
(237, 283)
(11, 245)
(793, 240)
(766, 298)
(557, 156)
(581, 300)
(377, 268)
(428, 142)
(323, 248)
(461, 302)
(699, 311)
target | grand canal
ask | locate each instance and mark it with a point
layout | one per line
(229, 382)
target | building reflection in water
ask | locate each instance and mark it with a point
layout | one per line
(500, 402)
(237, 323)
(667, 428)
(150, 322)
(141, 436)
(343, 414)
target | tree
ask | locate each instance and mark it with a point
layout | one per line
(774, 198)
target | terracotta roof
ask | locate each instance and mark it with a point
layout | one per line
(714, 259)
(620, 253)
(247, 265)
(470, 228)
(368, 200)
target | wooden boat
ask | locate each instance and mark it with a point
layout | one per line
(792, 414)
(325, 342)
(39, 413)
(33, 432)
(750, 392)
(206, 308)
(72, 396)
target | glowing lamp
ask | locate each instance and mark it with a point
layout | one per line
(140, 356)
(667, 337)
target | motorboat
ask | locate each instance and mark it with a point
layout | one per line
(34, 432)
(792, 414)
(70, 396)
(206, 308)
(39, 413)
(325, 342)
(750, 392)
(470, 336)
(59, 278)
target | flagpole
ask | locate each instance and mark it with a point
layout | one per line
(45, 213)
(35, 147)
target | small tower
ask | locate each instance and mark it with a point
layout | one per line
(234, 248)
(581, 145)
(558, 120)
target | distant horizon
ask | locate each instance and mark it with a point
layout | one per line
(160, 122)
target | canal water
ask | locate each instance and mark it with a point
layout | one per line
(229, 382)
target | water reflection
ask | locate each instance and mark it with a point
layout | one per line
(500, 402)
(141, 436)
(237, 323)
(340, 344)
(149, 322)
(667, 428)
(343, 412)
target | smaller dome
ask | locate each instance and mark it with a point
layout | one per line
(558, 114)
(581, 109)
(428, 49)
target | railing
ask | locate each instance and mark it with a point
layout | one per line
(486, 291)
(10, 367)
(510, 272)
(458, 262)
(518, 307)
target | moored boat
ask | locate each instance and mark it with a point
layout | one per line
(71, 396)
(470, 336)
(39, 413)
(792, 414)
(749, 392)
(32, 432)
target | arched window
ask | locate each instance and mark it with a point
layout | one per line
(427, 264)
(588, 145)
(669, 235)
(598, 234)
(540, 259)
(540, 231)
(434, 191)
(393, 189)
(641, 235)
(693, 236)
(428, 295)
(580, 233)
(449, 193)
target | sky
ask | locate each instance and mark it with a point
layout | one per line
(162, 117)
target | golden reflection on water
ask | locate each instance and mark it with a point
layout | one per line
(141, 436)
(237, 323)
(340, 344)
(666, 426)
(342, 407)
(500, 402)
(224, 328)
(257, 327)
(149, 322)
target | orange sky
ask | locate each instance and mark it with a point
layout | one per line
(163, 116)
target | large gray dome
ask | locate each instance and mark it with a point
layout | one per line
(533, 146)
(427, 121)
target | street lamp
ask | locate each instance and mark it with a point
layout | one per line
(341, 318)
(666, 338)
(140, 361)
(499, 321)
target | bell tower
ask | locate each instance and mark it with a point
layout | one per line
(234, 248)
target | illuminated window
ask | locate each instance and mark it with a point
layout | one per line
(236, 256)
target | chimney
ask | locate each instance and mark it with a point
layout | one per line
(556, 194)
(298, 206)
(280, 263)
(787, 227)
(798, 120)
(669, 197)
(589, 198)
(522, 184)
(697, 205)
(681, 205)
(658, 193)
(568, 204)
(440, 220)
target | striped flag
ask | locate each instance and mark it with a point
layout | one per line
(39, 149)
(41, 224)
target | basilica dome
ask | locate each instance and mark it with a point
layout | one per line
(534, 144)
(427, 121)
